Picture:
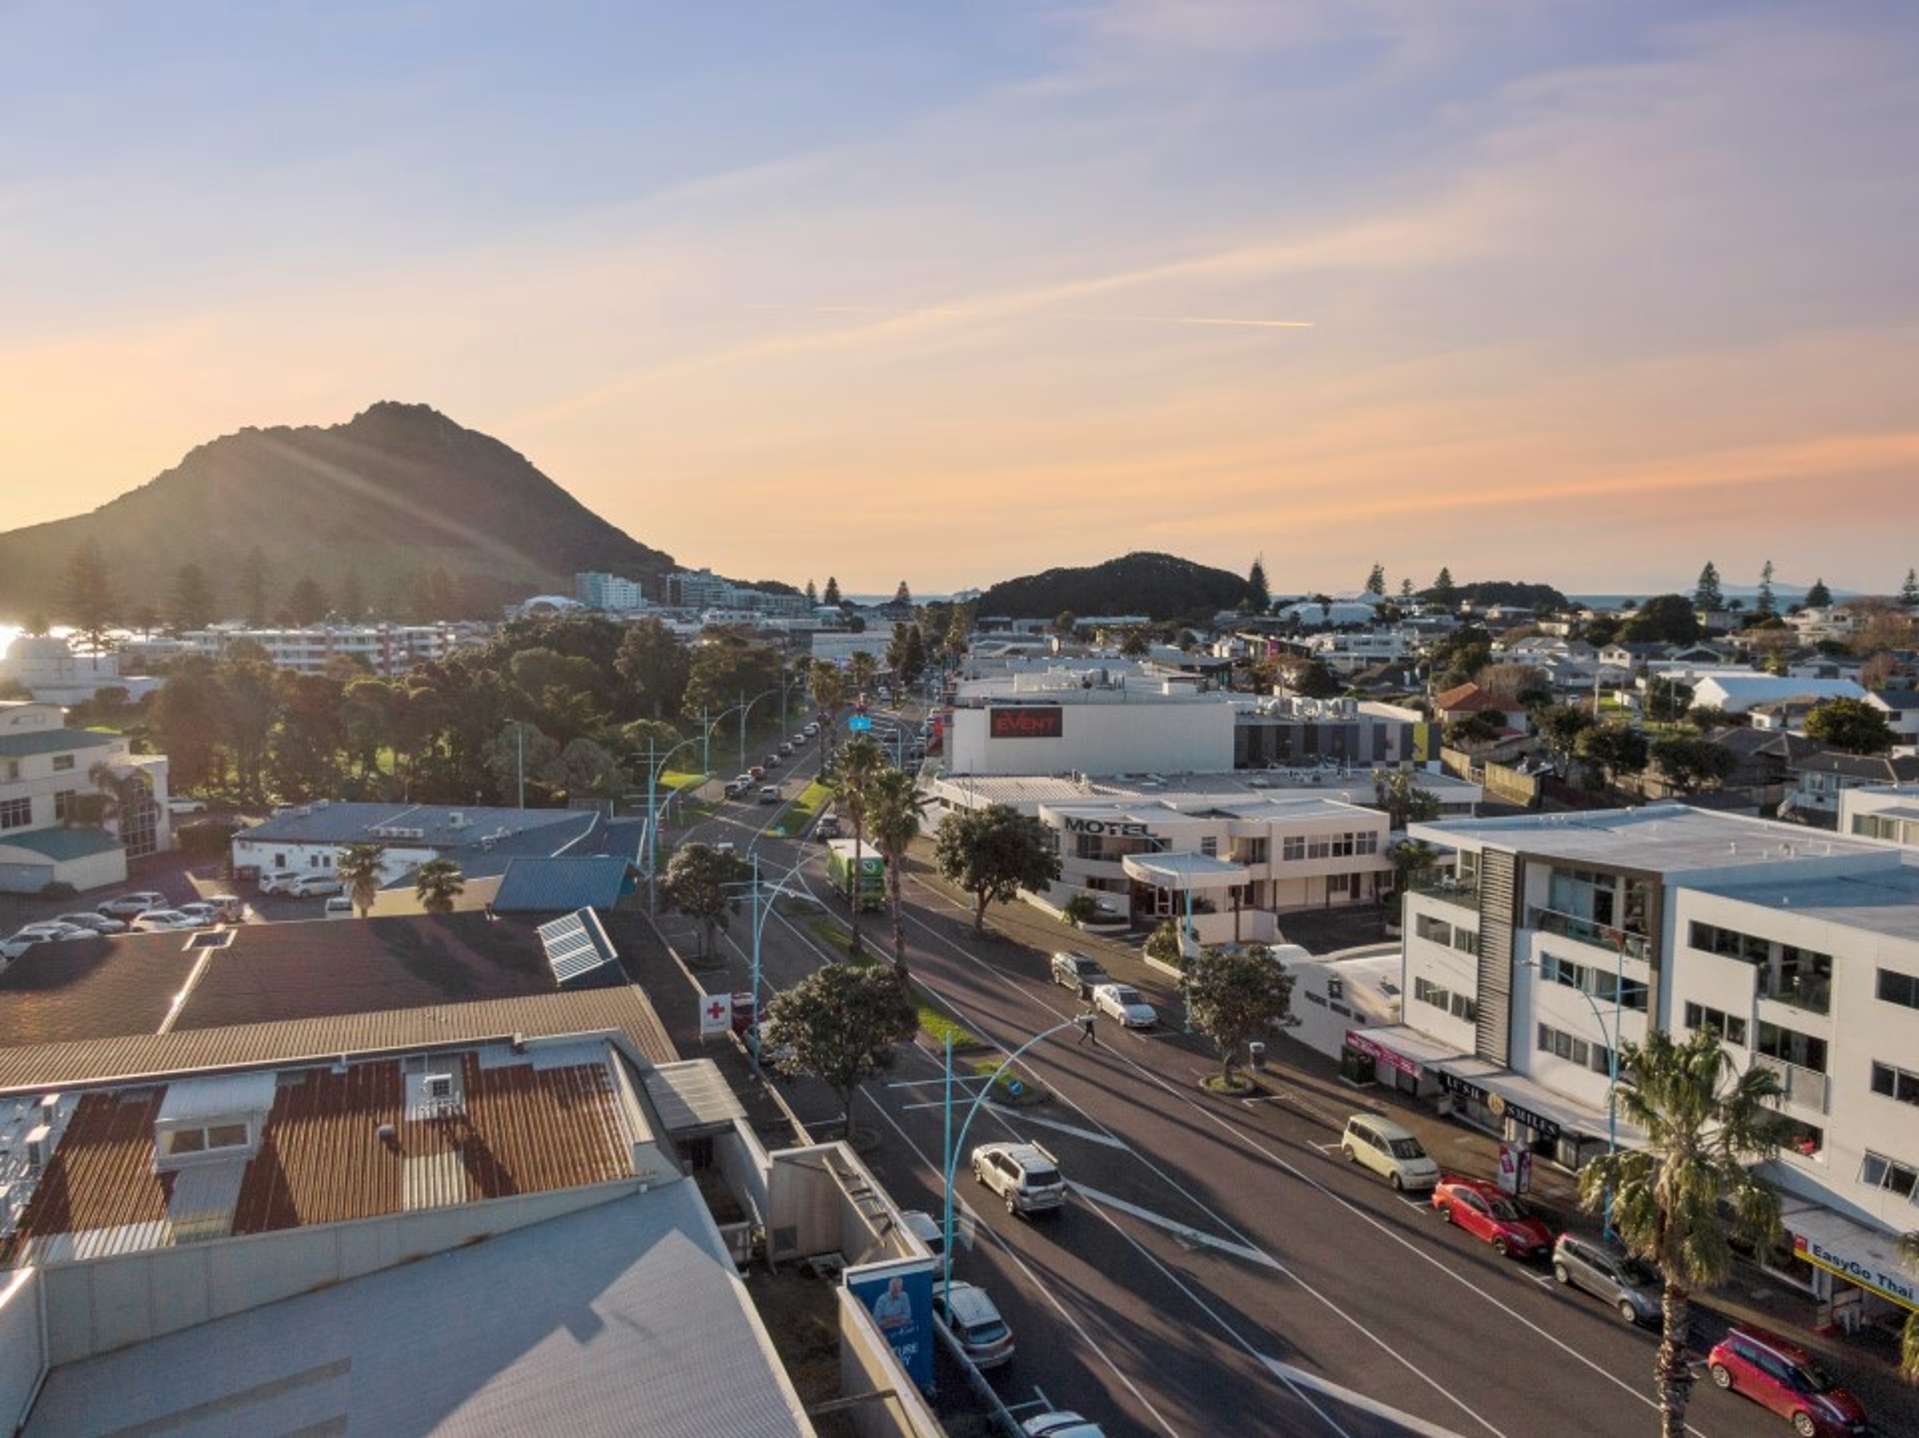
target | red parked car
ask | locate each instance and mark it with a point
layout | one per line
(1771, 1371)
(1486, 1212)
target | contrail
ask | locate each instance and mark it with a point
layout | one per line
(1260, 324)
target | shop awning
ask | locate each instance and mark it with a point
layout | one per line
(1539, 1108)
(1865, 1257)
(1190, 870)
(1402, 1047)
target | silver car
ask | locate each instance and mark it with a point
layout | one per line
(1621, 1280)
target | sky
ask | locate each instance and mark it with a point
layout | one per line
(1534, 289)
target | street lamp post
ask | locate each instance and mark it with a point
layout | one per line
(1612, 1063)
(761, 900)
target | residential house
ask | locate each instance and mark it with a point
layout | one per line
(1901, 710)
(1821, 777)
(1736, 693)
(50, 778)
(1831, 624)
(1464, 700)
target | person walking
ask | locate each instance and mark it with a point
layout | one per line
(1086, 1034)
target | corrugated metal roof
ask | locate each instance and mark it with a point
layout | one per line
(551, 886)
(575, 946)
(692, 1095)
(623, 1009)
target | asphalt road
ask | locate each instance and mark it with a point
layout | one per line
(1219, 1269)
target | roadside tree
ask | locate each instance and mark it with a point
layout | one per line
(992, 854)
(894, 805)
(1234, 997)
(697, 881)
(841, 1024)
(861, 763)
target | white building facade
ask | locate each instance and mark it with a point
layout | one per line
(47, 781)
(1091, 722)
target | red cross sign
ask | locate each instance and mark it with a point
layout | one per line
(716, 1014)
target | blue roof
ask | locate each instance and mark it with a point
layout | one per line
(53, 741)
(61, 845)
(526, 831)
(543, 886)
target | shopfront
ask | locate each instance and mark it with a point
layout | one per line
(1854, 1270)
(1400, 1056)
(1518, 1110)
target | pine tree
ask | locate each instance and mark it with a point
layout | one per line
(1444, 591)
(1376, 581)
(902, 595)
(832, 595)
(352, 598)
(812, 593)
(1765, 605)
(1707, 593)
(254, 588)
(1818, 597)
(1406, 589)
(306, 602)
(191, 605)
(1259, 594)
(1909, 591)
(92, 603)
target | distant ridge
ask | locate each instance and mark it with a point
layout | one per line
(1159, 586)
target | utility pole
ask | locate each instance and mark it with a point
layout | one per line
(519, 736)
(652, 835)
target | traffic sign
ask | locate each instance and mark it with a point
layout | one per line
(859, 724)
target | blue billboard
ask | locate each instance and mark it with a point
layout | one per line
(899, 1295)
(859, 724)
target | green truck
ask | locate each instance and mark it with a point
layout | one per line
(870, 891)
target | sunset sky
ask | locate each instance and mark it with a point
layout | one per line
(1581, 292)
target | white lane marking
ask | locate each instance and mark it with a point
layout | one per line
(1330, 1147)
(1074, 1129)
(1043, 1289)
(1311, 1182)
(1188, 1235)
(1358, 1400)
(1417, 1207)
(1544, 1280)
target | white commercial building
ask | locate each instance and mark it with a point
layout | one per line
(48, 669)
(1091, 721)
(1558, 936)
(384, 649)
(48, 778)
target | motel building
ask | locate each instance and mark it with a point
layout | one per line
(1552, 938)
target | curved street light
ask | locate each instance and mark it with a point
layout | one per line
(1612, 1050)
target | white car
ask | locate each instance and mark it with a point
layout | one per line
(1024, 1175)
(131, 906)
(1123, 1002)
(45, 933)
(279, 881)
(160, 921)
(99, 923)
(972, 1318)
(186, 806)
(925, 1228)
(1063, 1424)
(312, 886)
(338, 907)
(203, 913)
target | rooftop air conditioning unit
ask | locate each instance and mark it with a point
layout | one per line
(456, 820)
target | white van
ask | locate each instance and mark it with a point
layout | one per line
(1389, 1150)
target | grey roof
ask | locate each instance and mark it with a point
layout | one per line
(1897, 699)
(53, 741)
(692, 1095)
(63, 844)
(541, 831)
(623, 1319)
(1885, 901)
(547, 886)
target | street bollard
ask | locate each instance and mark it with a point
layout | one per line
(1256, 1054)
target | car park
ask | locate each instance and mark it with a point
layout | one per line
(1125, 1005)
(1487, 1212)
(1621, 1280)
(131, 906)
(51, 932)
(1078, 973)
(312, 886)
(338, 907)
(1025, 1176)
(160, 921)
(974, 1321)
(1389, 1150)
(769, 793)
(1783, 1377)
(1063, 1424)
(99, 923)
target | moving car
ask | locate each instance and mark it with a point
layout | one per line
(1387, 1149)
(769, 793)
(99, 923)
(1486, 1212)
(338, 907)
(1621, 1280)
(1063, 1424)
(810, 730)
(1024, 1175)
(311, 886)
(1783, 1377)
(757, 772)
(828, 827)
(1078, 973)
(52, 932)
(131, 906)
(969, 1315)
(770, 762)
(160, 921)
(1125, 1004)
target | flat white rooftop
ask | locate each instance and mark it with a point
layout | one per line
(1882, 901)
(1354, 786)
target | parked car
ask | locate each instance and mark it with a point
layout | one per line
(757, 772)
(131, 906)
(311, 886)
(828, 827)
(1621, 1280)
(160, 921)
(810, 730)
(1387, 1149)
(227, 907)
(925, 1228)
(279, 881)
(769, 793)
(203, 914)
(50, 932)
(338, 907)
(1783, 1377)
(971, 1317)
(1024, 1175)
(99, 923)
(1486, 1212)
(1125, 1005)
(186, 806)
(1078, 973)
(771, 761)
(1063, 1424)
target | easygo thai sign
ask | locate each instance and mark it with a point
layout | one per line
(1896, 1286)
(1026, 721)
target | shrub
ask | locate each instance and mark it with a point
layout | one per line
(1080, 910)
(1164, 944)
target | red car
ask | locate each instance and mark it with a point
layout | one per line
(1769, 1370)
(1485, 1211)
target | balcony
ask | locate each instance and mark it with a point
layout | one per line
(1801, 1087)
(1445, 886)
(1810, 992)
(1571, 926)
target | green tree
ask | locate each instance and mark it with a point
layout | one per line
(1851, 725)
(654, 663)
(1560, 726)
(861, 670)
(352, 598)
(832, 594)
(303, 752)
(894, 806)
(842, 1024)
(1667, 700)
(122, 794)
(1483, 726)
(861, 763)
(1909, 1334)
(1765, 604)
(1909, 591)
(1402, 798)
(902, 595)
(306, 601)
(702, 883)
(1707, 594)
(1616, 749)
(1706, 1124)
(1413, 860)
(1444, 592)
(1376, 581)
(959, 635)
(436, 884)
(812, 594)
(1064, 623)
(1235, 997)
(359, 869)
(255, 588)
(1314, 680)
(1162, 945)
(1818, 597)
(91, 600)
(1134, 644)
(249, 710)
(186, 725)
(1406, 591)
(584, 769)
(191, 605)
(1259, 593)
(828, 688)
(1663, 619)
(993, 853)
(906, 653)
(519, 749)
(1689, 761)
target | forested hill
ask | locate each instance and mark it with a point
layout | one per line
(1160, 586)
(396, 496)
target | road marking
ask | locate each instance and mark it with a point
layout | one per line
(1357, 1400)
(1417, 1207)
(1332, 1146)
(1544, 1280)
(1109, 1140)
(1186, 1234)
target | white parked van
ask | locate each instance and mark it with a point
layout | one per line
(1388, 1150)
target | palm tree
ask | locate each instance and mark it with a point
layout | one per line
(861, 670)
(893, 806)
(861, 763)
(123, 794)
(358, 868)
(828, 687)
(436, 884)
(1909, 1335)
(1705, 1123)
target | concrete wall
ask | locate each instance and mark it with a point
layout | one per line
(744, 1165)
(96, 1306)
(867, 1365)
(23, 1349)
(1256, 926)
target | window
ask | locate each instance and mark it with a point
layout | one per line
(1793, 1047)
(1209, 846)
(1313, 998)
(1602, 1060)
(207, 1138)
(63, 806)
(1878, 1171)
(1293, 846)
(1731, 1028)
(1898, 988)
(1465, 1008)
(1428, 992)
(1898, 1083)
(1366, 843)
(1342, 846)
(1437, 931)
(9, 769)
(63, 763)
(1563, 1045)
(1464, 939)
(1319, 846)
(15, 813)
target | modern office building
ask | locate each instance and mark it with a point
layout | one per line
(1293, 731)
(1088, 721)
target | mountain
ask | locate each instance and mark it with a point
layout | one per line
(391, 497)
(1160, 586)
